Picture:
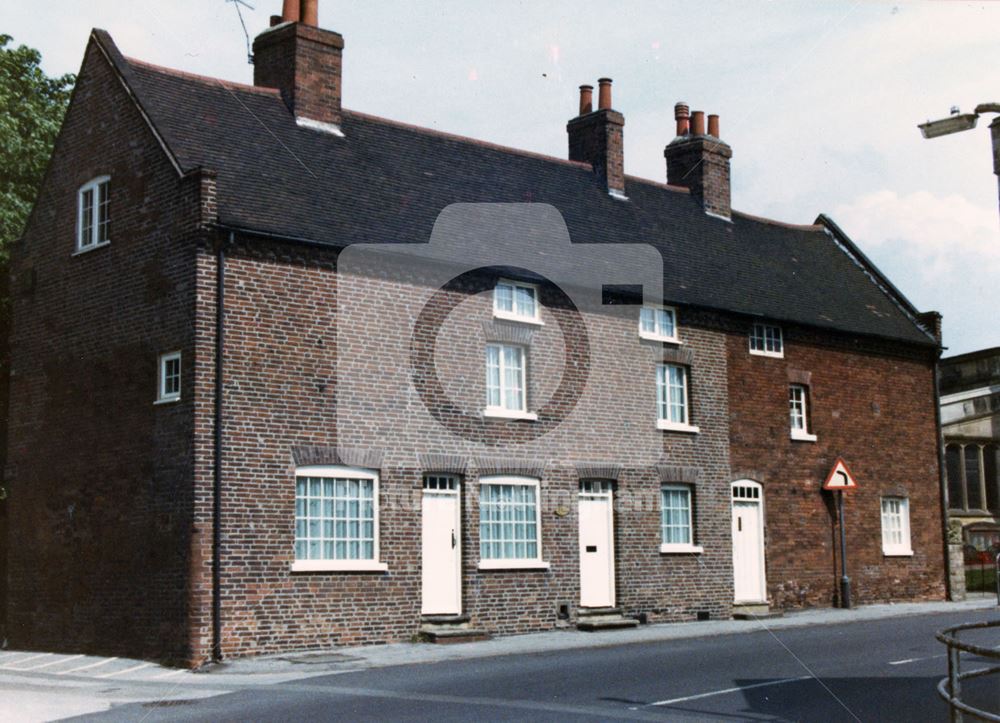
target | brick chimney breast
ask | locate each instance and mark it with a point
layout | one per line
(596, 137)
(700, 162)
(304, 63)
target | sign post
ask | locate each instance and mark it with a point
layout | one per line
(841, 480)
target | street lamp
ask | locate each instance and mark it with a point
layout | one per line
(958, 122)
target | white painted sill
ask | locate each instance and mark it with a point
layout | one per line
(168, 400)
(508, 316)
(649, 336)
(92, 247)
(897, 553)
(339, 566)
(499, 413)
(800, 436)
(513, 565)
(772, 354)
(675, 427)
(679, 548)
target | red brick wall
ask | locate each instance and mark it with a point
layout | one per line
(285, 365)
(871, 404)
(99, 477)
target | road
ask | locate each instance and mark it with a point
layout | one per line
(862, 671)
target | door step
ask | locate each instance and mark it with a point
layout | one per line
(593, 619)
(443, 629)
(759, 611)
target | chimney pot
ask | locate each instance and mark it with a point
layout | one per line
(586, 99)
(682, 115)
(700, 162)
(290, 11)
(604, 94)
(713, 125)
(698, 123)
(310, 12)
(276, 20)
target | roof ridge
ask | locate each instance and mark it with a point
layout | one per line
(783, 224)
(466, 139)
(657, 184)
(207, 79)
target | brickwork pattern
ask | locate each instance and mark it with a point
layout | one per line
(100, 501)
(874, 408)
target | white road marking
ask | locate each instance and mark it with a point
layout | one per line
(25, 660)
(915, 660)
(52, 662)
(724, 691)
(122, 672)
(87, 667)
(169, 673)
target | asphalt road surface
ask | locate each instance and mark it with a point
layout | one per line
(884, 670)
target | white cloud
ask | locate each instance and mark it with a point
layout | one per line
(944, 251)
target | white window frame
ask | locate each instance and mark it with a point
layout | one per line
(502, 411)
(656, 334)
(673, 547)
(92, 241)
(762, 336)
(512, 315)
(896, 549)
(162, 395)
(342, 565)
(799, 434)
(519, 563)
(666, 423)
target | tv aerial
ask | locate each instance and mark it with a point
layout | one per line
(237, 4)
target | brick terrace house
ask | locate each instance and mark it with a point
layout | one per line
(191, 476)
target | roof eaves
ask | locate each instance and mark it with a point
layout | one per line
(102, 39)
(851, 250)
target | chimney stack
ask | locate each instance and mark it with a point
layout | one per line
(700, 161)
(304, 63)
(595, 137)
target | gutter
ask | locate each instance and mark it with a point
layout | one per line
(220, 332)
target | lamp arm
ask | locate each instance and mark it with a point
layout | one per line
(987, 108)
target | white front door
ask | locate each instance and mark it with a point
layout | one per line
(748, 543)
(441, 548)
(597, 552)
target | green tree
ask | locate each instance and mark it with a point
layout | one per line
(32, 106)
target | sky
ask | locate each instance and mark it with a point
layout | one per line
(819, 100)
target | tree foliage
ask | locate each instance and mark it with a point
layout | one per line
(32, 106)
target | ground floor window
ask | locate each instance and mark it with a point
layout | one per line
(336, 519)
(509, 522)
(896, 526)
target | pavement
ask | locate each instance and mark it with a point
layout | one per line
(38, 686)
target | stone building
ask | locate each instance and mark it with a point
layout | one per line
(970, 423)
(250, 414)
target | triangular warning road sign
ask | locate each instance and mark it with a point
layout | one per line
(840, 478)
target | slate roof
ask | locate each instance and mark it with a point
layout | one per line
(386, 182)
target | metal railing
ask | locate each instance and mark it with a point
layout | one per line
(950, 687)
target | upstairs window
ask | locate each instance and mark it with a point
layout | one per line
(92, 217)
(672, 398)
(506, 382)
(896, 526)
(658, 323)
(169, 384)
(798, 395)
(516, 301)
(765, 340)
